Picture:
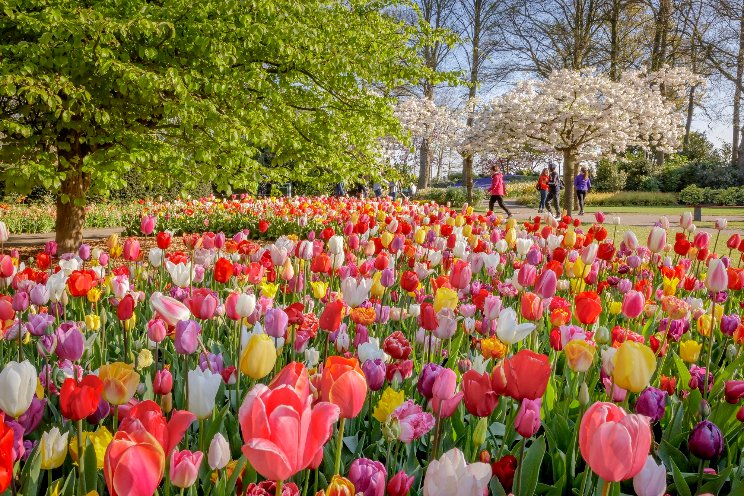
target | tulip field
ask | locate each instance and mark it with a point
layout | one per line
(332, 346)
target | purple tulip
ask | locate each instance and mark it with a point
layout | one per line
(368, 476)
(706, 441)
(534, 256)
(46, 344)
(426, 379)
(213, 362)
(187, 336)
(101, 412)
(374, 372)
(729, 324)
(361, 335)
(38, 323)
(50, 248)
(698, 378)
(18, 448)
(275, 322)
(32, 418)
(84, 251)
(70, 342)
(651, 403)
(387, 278)
(39, 295)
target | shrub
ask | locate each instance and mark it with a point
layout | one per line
(695, 195)
(609, 176)
(455, 196)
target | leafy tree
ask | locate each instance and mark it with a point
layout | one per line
(193, 90)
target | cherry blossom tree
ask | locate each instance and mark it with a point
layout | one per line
(584, 115)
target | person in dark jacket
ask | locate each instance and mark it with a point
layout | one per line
(582, 185)
(554, 189)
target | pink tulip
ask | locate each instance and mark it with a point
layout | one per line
(613, 443)
(527, 422)
(633, 303)
(546, 283)
(131, 251)
(656, 239)
(701, 240)
(716, 278)
(203, 303)
(134, 464)
(444, 400)
(413, 422)
(599, 217)
(184, 467)
(169, 309)
(283, 433)
(147, 225)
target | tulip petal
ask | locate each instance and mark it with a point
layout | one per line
(323, 416)
(267, 459)
(177, 425)
(610, 450)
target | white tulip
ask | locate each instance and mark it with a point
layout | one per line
(155, 256)
(53, 448)
(17, 387)
(336, 245)
(181, 274)
(203, 386)
(450, 475)
(219, 452)
(651, 480)
(508, 330)
(246, 304)
(355, 292)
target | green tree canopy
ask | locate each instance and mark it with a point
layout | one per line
(198, 89)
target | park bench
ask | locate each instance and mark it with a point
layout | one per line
(697, 210)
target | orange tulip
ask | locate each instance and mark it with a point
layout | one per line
(344, 385)
(119, 382)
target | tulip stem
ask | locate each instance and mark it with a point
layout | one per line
(279, 485)
(339, 446)
(81, 457)
(710, 349)
(701, 471)
(521, 464)
(606, 488)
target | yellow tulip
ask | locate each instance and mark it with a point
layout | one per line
(120, 382)
(580, 269)
(420, 236)
(319, 289)
(634, 363)
(130, 323)
(467, 230)
(469, 210)
(144, 359)
(690, 350)
(704, 325)
(569, 239)
(511, 223)
(340, 486)
(450, 221)
(445, 298)
(92, 322)
(258, 357)
(459, 220)
(53, 448)
(493, 348)
(579, 355)
(616, 307)
(386, 238)
(100, 441)
(94, 294)
(268, 289)
(511, 236)
(670, 286)
(389, 401)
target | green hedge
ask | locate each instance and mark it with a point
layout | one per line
(694, 195)
(455, 196)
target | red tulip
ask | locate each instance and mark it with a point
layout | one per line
(330, 319)
(524, 375)
(223, 270)
(149, 416)
(163, 239)
(344, 385)
(588, 307)
(43, 261)
(480, 398)
(6, 454)
(504, 470)
(428, 318)
(78, 400)
(6, 308)
(409, 281)
(397, 346)
(606, 251)
(80, 282)
(125, 308)
(531, 306)
(461, 274)
(263, 226)
(321, 263)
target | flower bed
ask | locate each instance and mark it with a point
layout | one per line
(394, 348)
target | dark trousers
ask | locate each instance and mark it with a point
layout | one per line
(552, 199)
(581, 196)
(543, 196)
(500, 200)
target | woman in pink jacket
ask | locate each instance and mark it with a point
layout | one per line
(498, 190)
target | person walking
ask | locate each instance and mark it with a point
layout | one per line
(498, 190)
(339, 190)
(554, 190)
(393, 188)
(377, 189)
(582, 185)
(542, 189)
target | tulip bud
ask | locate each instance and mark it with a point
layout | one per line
(166, 402)
(584, 398)
(219, 452)
(479, 434)
(704, 409)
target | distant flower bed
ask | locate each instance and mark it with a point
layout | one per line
(37, 217)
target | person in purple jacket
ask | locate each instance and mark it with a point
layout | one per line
(498, 190)
(582, 185)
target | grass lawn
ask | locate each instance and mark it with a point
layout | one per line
(670, 211)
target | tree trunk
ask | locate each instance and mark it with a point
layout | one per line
(736, 142)
(424, 164)
(71, 212)
(570, 163)
(688, 123)
(467, 177)
(614, 42)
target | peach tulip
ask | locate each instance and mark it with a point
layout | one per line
(344, 385)
(134, 464)
(283, 433)
(613, 443)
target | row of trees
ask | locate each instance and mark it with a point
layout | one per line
(500, 42)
